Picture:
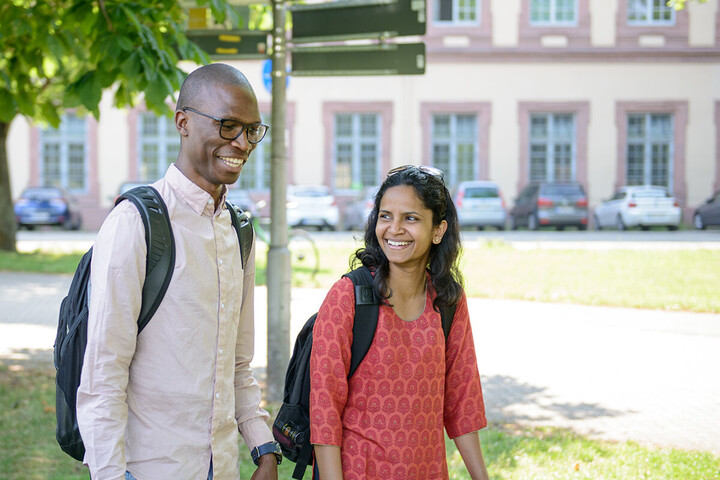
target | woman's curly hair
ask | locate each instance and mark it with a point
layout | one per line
(443, 260)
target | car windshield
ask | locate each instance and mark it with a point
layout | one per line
(481, 192)
(650, 194)
(42, 193)
(562, 190)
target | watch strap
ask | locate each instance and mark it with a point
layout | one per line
(264, 449)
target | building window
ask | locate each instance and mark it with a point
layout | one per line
(357, 150)
(159, 145)
(455, 146)
(552, 147)
(256, 171)
(457, 12)
(553, 12)
(649, 149)
(650, 12)
(64, 162)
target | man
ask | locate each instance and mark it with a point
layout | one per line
(168, 403)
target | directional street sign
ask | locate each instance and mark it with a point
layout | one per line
(346, 19)
(387, 59)
(231, 44)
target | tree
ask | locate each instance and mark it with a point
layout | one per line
(680, 4)
(61, 54)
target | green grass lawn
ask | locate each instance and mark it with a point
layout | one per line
(28, 450)
(658, 279)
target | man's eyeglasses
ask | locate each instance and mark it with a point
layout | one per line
(435, 172)
(231, 129)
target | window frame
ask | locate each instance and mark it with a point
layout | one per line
(551, 140)
(455, 9)
(167, 136)
(650, 10)
(679, 112)
(64, 138)
(553, 22)
(581, 112)
(384, 111)
(482, 113)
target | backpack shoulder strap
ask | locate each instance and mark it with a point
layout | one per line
(160, 248)
(244, 229)
(446, 317)
(367, 309)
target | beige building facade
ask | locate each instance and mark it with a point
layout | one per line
(604, 92)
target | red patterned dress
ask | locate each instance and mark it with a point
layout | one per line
(389, 420)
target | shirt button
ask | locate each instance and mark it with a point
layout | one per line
(221, 350)
(220, 261)
(222, 305)
(217, 395)
(211, 201)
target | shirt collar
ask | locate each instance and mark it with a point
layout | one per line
(199, 201)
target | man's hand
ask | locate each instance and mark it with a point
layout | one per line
(267, 468)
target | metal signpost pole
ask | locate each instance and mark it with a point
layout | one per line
(278, 261)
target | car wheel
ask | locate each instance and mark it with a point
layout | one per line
(582, 227)
(644, 228)
(596, 223)
(672, 228)
(513, 223)
(698, 222)
(560, 228)
(620, 224)
(533, 222)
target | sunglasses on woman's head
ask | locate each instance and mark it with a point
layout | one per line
(435, 172)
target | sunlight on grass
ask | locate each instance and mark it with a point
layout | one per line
(28, 450)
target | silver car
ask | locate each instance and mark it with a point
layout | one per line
(480, 204)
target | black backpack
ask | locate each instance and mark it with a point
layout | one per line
(291, 427)
(69, 348)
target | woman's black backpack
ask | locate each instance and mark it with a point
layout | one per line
(291, 427)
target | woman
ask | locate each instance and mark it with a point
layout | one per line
(387, 421)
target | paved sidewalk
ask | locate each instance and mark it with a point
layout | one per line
(613, 373)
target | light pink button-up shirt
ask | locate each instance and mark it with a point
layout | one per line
(162, 403)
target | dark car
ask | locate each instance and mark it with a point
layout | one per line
(708, 213)
(47, 206)
(550, 204)
(356, 213)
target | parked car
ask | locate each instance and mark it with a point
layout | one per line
(480, 204)
(47, 206)
(241, 198)
(356, 213)
(708, 213)
(312, 205)
(638, 206)
(550, 204)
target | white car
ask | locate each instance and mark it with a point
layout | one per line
(312, 205)
(638, 206)
(480, 204)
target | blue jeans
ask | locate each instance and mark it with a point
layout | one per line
(129, 476)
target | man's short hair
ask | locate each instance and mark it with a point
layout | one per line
(214, 74)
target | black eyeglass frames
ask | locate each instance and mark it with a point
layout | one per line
(436, 172)
(231, 129)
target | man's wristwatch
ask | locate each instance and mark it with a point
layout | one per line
(265, 448)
